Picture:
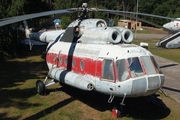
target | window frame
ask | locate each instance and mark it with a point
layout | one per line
(111, 71)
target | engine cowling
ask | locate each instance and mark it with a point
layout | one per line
(101, 35)
(127, 35)
(96, 31)
(88, 23)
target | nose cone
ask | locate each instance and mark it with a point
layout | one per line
(172, 26)
(166, 26)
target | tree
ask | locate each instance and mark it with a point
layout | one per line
(10, 40)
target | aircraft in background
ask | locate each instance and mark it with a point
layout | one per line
(173, 26)
(172, 40)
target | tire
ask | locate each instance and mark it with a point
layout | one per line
(40, 87)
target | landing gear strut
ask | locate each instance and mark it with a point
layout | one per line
(41, 86)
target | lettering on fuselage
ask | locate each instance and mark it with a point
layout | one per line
(87, 51)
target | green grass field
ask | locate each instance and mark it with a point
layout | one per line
(19, 100)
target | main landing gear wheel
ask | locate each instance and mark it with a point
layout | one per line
(40, 87)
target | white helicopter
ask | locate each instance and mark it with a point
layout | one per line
(89, 55)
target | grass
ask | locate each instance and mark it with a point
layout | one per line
(19, 100)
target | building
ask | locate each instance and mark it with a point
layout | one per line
(130, 24)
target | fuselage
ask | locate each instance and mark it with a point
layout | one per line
(89, 55)
(113, 69)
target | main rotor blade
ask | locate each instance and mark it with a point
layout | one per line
(5, 19)
(10, 20)
(137, 13)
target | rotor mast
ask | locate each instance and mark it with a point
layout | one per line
(84, 10)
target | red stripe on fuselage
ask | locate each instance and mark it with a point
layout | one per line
(80, 65)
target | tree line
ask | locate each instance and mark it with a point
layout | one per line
(11, 40)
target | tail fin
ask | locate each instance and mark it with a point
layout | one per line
(27, 30)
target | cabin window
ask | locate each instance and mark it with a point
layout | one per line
(82, 65)
(122, 70)
(149, 67)
(66, 61)
(107, 71)
(156, 65)
(135, 67)
(60, 60)
(73, 63)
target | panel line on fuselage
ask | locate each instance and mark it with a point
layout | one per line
(57, 39)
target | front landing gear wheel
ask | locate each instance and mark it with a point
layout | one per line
(40, 87)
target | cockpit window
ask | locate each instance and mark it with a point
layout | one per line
(122, 70)
(148, 65)
(135, 67)
(108, 72)
(156, 65)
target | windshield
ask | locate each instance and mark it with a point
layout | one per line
(135, 67)
(156, 65)
(148, 65)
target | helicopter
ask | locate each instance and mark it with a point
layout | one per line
(89, 55)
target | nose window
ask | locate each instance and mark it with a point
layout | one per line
(149, 67)
(156, 65)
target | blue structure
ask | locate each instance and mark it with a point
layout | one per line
(57, 21)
